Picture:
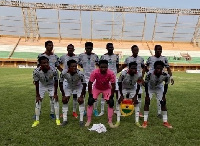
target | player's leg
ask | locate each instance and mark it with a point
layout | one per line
(117, 95)
(159, 115)
(102, 106)
(42, 90)
(140, 101)
(68, 93)
(164, 109)
(110, 102)
(91, 100)
(75, 105)
(55, 103)
(81, 105)
(118, 111)
(146, 108)
(136, 104)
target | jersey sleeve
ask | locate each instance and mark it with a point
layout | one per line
(167, 79)
(142, 62)
(126, 61)
(148, 61)
(57, 63)
(147, 78)
(97, 59)
(102, 57)
(166, 62)
(38, 59)
(121, 77)
(61, 60)
(80, 60)
(82, 77)
(117, 59)
(55, 74)
(36, 75)
(62, 75)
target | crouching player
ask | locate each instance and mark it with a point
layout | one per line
(105, 84)
(154, 84)
(129, 84)
(76, 85)
(46, 79)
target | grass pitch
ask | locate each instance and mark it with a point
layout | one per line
(17, 95)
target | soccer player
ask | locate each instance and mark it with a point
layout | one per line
(104, 82)
(88, 62)
(113, 64)
(63, 60)
(154, 84)
(53, 58)
(53, 62)
(46, 79)
(140, 68)
(129, 84)
(75, 84)
(150, 67)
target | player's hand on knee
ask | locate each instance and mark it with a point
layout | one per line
(65, 99)
(55, 97)
(121, 99)
(38, 98)
(80, 100)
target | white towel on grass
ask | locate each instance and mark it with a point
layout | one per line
(98, 128)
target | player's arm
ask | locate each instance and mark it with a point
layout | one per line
(121, 78)
(170, 73)
(36, 82)
(90, 87)
(55, 85)
(112, 89)
(84, 85)
(136, 94)
(81, 98)
(38, 98)
(61, 85)
(113, 81)
(146, 84)
(121, 67)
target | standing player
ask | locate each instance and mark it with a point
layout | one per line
(46, 79)
(53, 62)
(104, 83)
(88, 62)
(150, 67)
(154, 84)
(76, 84)
(140, 68)
(63, 60)
(129, 85)
(113, 64)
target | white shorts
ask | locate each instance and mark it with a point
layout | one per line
(158, 93)
(69, 91)
(43, 89)
(131, 92)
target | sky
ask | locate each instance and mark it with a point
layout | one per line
(102, 21)
(188, 4)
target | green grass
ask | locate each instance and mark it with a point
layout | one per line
(17, 95)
